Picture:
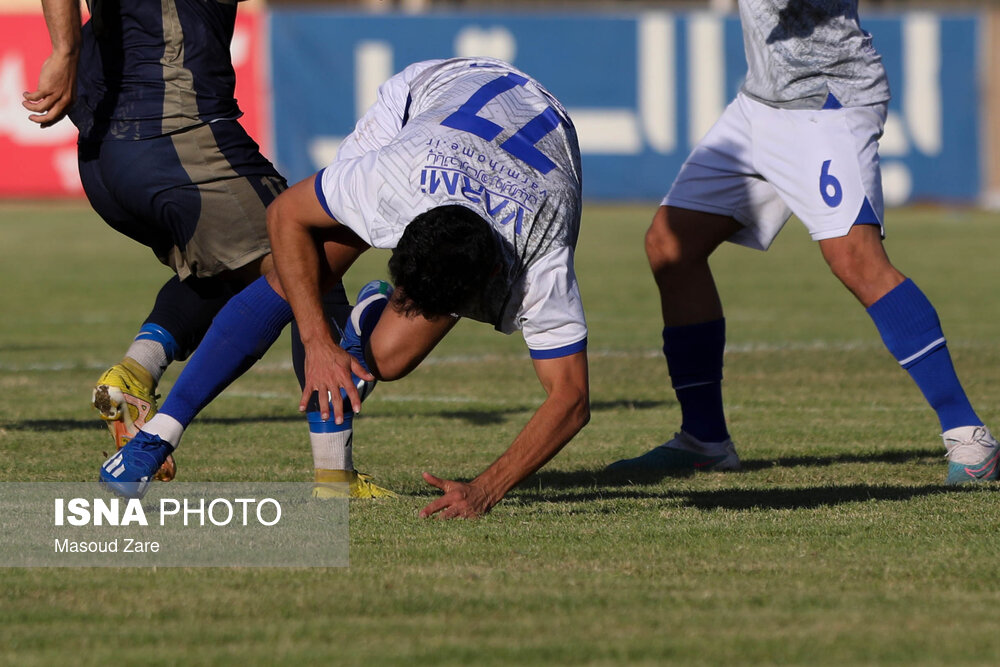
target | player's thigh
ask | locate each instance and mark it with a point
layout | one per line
(217, 216)
(679, 235)
(102, 185)
(197, 198)
(719, 179)
(824, 164)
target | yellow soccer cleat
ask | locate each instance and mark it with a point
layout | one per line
(125, 400)
(347, 484)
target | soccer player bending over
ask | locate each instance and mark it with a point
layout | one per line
(801, 137)
(470, 172)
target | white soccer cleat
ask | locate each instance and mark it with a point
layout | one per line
(973, 455)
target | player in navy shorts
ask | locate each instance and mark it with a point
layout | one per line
(164, 160)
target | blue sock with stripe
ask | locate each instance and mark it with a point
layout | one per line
(157, 334)
(910, 328)
(694, 358)
(240, 335)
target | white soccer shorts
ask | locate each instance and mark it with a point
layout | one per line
(759, 165)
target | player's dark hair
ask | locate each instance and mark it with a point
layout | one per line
(443, 258)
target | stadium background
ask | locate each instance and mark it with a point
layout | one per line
(643, 81)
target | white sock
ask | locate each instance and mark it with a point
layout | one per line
(150, 355)
(333, 451)
(165, 426)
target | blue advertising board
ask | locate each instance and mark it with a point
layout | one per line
(642, 88)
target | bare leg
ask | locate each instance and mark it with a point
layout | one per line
(910, 328)
(678, 244)
(860, 262)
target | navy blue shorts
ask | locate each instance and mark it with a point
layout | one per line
(196, 197)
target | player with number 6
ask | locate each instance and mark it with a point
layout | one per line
(469, 170)
(801, 137)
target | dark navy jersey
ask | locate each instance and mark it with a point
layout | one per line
(151, 68)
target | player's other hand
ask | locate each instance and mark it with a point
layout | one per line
(460, 500)
(56, 91)
(328, 370)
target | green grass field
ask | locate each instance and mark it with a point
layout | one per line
(837, 545)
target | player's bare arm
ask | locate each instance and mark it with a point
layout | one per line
(401, 341)
(56, 91)
(294, 222)
(565, 411)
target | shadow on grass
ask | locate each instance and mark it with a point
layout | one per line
(493, 417)
(819, 496)
(591, 485)
(746, 499)
(602, 406)
(64, 425)
(540, 489)
(837, 459)
(575, 478)
(473, 417)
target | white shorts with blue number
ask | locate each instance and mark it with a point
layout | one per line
(760, 164)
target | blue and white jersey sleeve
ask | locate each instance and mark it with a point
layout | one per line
(550, 313)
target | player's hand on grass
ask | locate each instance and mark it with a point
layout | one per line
(460, 500)
(55, 93)
(328, 370)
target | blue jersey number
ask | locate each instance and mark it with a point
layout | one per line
(521, 144)
(829, 186)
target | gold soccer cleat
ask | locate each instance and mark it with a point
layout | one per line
(126, 402)
(347, 484)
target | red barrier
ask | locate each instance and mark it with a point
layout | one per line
(42, 163)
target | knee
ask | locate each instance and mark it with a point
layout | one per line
(680, 239)
(664, 248)
(848, 267)
(854, 259)
(864, 269)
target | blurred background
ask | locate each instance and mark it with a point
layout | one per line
(643, 81)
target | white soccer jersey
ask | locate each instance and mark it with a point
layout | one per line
(481, 134)
(801, 51)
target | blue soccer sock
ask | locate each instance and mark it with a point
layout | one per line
(157, 334)
(337, 309)
(910, 328)
(694, 358)
(240, 334)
